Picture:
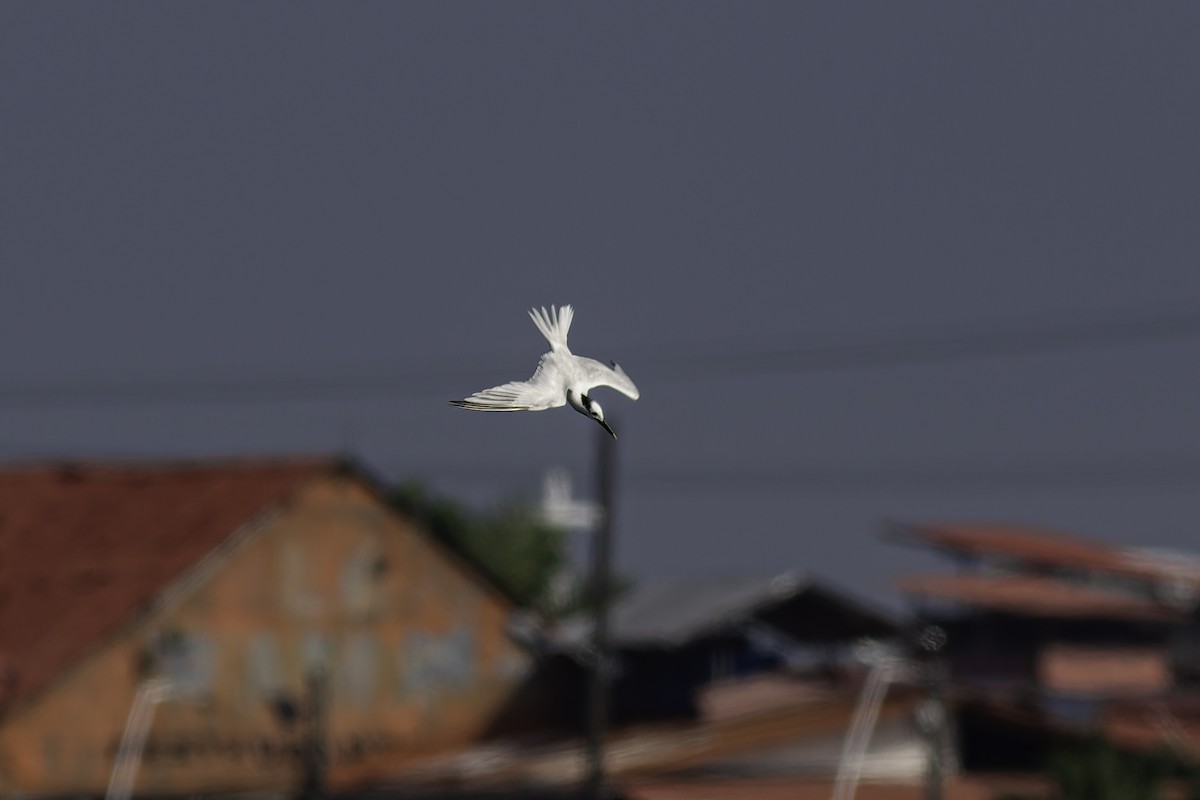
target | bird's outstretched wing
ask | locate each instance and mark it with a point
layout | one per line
(597, 374)
(540, 392)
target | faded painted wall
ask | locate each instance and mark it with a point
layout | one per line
(414, 646)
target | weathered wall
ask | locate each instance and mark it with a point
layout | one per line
(414, 646)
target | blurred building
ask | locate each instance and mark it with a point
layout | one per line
(677, 639)
(718, 681)
(283, 606)
(1050, 635)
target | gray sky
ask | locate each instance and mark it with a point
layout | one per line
(373, 194)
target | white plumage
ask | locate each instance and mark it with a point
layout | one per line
(561, 377)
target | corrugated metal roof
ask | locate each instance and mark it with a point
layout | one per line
(673, 611)
(1039, 546)
(1026, 594)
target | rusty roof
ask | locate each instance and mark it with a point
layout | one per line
(1043, 547)
(954, 787)
(644, 750)
(1027, 594)
(84, 547)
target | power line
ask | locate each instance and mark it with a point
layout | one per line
(1123, 472)
(948, 344)
(1081, 473)
(695, 361)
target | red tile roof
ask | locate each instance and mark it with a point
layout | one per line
(1026, 594)
(1040, 547)
(83, 548)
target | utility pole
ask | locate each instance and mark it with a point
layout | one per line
(601, 593)
(313, 753)
(932, 715)
(303, 716)
(935, 775)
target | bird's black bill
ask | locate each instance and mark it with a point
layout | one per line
(610, 430)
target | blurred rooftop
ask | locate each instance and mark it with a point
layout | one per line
(671, 612)
(85, 546)
(1042, 547)
(1035, 596)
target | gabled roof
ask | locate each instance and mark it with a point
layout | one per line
(85, 547)
(674, 611)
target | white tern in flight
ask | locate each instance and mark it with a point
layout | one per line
(561, 377)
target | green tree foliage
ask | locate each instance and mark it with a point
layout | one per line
(1095, 770)
(1098, 771)
(518, 551)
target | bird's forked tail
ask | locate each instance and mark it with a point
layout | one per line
(553, 324)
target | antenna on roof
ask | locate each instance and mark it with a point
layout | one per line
(559, 508)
